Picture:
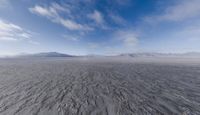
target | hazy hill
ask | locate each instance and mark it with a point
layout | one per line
(46, 54)
(189, 54)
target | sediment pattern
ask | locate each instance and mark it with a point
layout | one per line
(71, 87)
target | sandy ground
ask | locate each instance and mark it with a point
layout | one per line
(99, 87)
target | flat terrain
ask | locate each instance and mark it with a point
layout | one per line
(99, 87)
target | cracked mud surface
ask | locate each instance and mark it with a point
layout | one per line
(84, 87)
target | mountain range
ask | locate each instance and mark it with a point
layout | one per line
(133, 55)
(45, 54)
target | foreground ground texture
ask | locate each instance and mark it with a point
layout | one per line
(98, 87)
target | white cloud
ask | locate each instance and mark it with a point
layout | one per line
(52, 13)
(12, 32)
(183, 10)
(128, 38)
(72, 25)
(60, 8)
(43, 11)
(97, 17)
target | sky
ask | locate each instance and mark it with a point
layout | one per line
(103, 27)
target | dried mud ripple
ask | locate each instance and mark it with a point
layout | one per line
(70, 87)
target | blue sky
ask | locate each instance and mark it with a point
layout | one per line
(106, 27)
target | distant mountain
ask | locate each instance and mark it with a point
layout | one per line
(94, 55)
(46, 54)
(189, 54)
(142, 54)
(132, 55)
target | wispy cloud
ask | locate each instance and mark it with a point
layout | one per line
(182, 10)
(12, 32)
(72, 25)
(72, 37)
(53, 13)
(127, 37)
(97, 17)
(186, 9)
(117, 19)
(43, 11)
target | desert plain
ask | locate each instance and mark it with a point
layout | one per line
(99, 86)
